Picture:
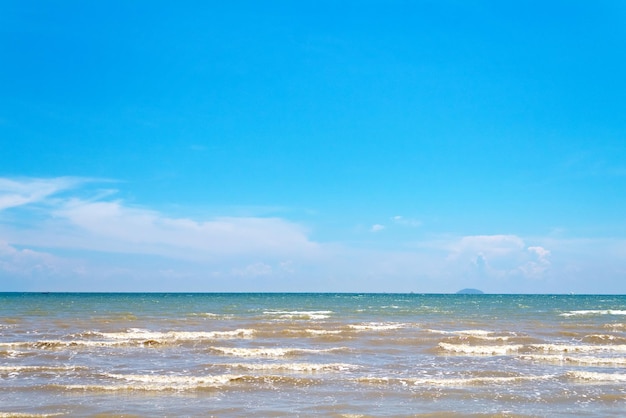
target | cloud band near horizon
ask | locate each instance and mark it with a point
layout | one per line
(52, 236)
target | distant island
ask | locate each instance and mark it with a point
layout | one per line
(470, 291)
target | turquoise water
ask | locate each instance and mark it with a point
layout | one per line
(71, 354)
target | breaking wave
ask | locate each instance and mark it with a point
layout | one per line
(593, 312)
(299, 315)
(271, 352)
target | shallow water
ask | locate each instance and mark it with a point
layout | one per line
(312, 354)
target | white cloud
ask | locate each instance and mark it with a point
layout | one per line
(539, 264)
(491, 244)
(541, 252)
(27, 262)
(499, 256)
(112, 226)
(147, 249)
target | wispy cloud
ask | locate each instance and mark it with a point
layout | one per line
(377, 228)
(102, 223)
(15, 192)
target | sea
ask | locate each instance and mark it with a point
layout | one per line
(317, 354)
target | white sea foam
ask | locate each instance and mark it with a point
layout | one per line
(377, 326)
(294, 367)
(9, 353)
(595, 312)
(452, 381)
(579, 348)
(54, 344)
(322, 332)
(481, 335)
(301, 315)
(131, 337)
(559, 348)
(615, 326)
(480, 349)
(476, 333)
(17, 368)
(438, 331)
(491, 338)
(271, 352)
(179, 383)
(207, 314)
(579, 360)
(604, 338)
(313, 332)
(152, 382)
(607, 337)
(176, 380)
(141, 334)
(597, 377)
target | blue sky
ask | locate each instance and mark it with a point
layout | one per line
(392, 146)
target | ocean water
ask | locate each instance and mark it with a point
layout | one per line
(336, 355)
